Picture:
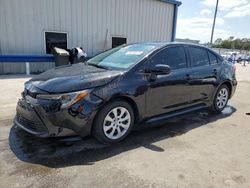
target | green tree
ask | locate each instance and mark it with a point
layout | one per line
(239, 44)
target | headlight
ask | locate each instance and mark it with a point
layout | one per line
(66, 99)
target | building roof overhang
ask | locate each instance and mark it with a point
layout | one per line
(178, 3)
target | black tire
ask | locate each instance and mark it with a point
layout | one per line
(215, 108)
(98, 126)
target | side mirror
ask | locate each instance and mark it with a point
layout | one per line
(161, 69)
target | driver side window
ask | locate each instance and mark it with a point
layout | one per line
(174, 57)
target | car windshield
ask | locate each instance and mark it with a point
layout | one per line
(122, 57)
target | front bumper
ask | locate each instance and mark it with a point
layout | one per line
(44, 118)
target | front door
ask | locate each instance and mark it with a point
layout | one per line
(168, 92)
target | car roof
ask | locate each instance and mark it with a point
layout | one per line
(162, 44)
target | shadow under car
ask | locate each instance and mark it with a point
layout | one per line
(71, 151)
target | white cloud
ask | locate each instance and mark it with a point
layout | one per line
(205, 12)
(240, 11)
(200, 28)
(200, 22)
(225, 4)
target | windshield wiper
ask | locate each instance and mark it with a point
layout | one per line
(98, 66)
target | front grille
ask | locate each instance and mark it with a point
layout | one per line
(52, 107)
(31, 124)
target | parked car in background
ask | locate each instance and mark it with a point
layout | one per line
(124, 87)
(239, 57)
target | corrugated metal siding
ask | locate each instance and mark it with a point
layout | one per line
(87, 22)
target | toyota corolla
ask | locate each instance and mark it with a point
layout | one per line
(125, 87)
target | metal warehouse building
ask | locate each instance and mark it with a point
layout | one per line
(31, 27)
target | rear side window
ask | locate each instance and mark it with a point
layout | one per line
(175, 57)
(212, 58)
(199, 56)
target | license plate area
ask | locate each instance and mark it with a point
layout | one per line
(25, 105)
(28, 118)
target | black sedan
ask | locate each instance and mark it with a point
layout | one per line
(124, 87)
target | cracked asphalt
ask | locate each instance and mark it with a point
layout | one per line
(195, 150)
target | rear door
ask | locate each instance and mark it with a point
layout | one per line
(169, 92)
(204, 73)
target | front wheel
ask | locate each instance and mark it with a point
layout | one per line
(220, 99)
(114, 122)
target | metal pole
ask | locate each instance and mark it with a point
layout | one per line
(215, 15)
(27, 68)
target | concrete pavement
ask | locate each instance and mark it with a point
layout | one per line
(195, 150)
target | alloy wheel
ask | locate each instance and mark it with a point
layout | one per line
(222, 98)
(116, 123)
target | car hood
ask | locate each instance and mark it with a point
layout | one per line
(72, 78)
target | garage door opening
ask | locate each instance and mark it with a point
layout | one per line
(117, 41)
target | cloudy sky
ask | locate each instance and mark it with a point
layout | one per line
(195, 18)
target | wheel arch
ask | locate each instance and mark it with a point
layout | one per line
(127, 99)
(228, 84)
(131, 102)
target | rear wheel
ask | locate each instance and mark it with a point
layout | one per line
(114, 122)
(220, 99)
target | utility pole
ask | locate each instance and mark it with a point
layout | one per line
(215, 15)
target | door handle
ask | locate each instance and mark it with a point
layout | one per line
(215, 71)
(188, 77)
